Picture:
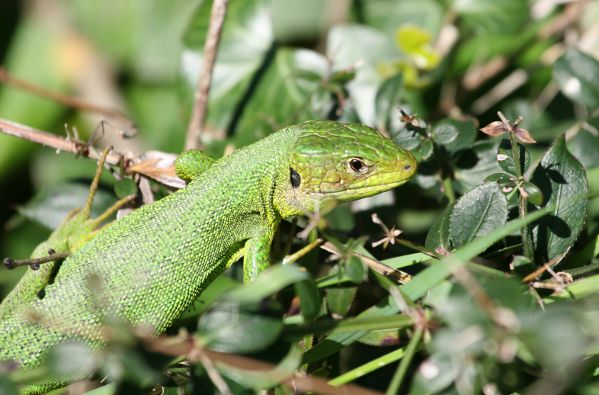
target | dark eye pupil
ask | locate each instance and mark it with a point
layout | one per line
(356, 164)
(295, 178)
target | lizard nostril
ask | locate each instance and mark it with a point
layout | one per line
(407, 166)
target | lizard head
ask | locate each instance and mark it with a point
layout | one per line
(333, 163)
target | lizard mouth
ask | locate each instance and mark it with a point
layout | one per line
(353, 193)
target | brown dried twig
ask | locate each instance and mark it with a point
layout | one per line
(196, 123)
(50, 140)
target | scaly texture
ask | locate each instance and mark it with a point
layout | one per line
(149, 266)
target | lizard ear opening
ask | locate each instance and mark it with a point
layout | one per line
(295, 178)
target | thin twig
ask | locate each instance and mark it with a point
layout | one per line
(217, 379)
(34, 262)
(196, 123)
(65, 100)
(50, 140)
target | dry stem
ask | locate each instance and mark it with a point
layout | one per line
(198, 115)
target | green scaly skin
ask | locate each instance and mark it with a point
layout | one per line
(154, 262)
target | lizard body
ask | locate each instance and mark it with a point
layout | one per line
(153, 263)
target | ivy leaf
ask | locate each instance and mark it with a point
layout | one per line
(477, 213)
(560, 177)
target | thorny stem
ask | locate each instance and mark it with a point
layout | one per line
(196, 123)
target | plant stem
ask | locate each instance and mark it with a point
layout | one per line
(405, 363)
(448, 189)
(198, 114)
(522, 204)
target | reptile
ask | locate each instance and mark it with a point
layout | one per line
(153, 263)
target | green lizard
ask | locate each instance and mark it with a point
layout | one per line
(154, 262)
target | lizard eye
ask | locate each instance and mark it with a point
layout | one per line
(295, 178)
(357, 165)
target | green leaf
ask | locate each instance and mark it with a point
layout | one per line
(445, 133)
(438, 235)
(477, 213)
(51, 206)
(585, 147)
(535, 196)
(435, 373)
(378, 338)
(501, 178)
(349, 45)
(560, 177)
(426, 280)
(577, 75)
(108, 389)
(406, 138)
(284, 97)
(340, 299)
(232, 328)
(125, 187)
(505, 17)
(354, 268)
(506, 159)
(426, 150)
(387, 15)
(268, 282)
(387, 99)
(310, 300)
(475, 164)
(558, 324)
(454, 135)
(578, 289)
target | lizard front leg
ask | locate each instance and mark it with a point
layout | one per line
(257, 255)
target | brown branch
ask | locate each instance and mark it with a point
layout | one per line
(11, 263)
(65, 100)
(57, 142)
(196, 123)
(176, 346)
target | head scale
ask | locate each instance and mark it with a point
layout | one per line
(333, 162)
